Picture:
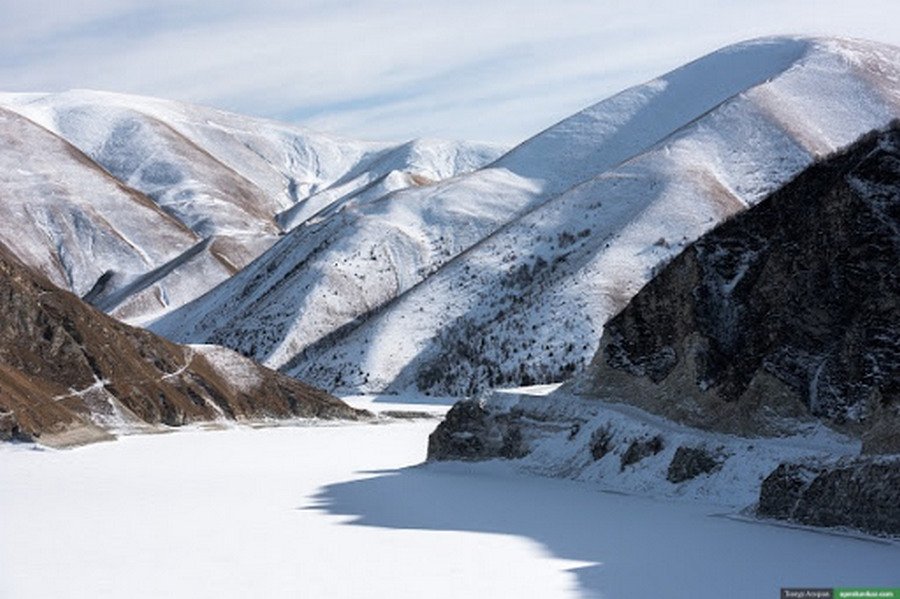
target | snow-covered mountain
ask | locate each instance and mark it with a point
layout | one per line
(506, 275)
(141, 205)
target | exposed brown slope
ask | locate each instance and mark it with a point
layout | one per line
(69, 372)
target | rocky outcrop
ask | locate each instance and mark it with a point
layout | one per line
(790, 310)
(70, 374)
(639, 449)
(690, 462)
(471, 432)
(862, 494)
(601, 442)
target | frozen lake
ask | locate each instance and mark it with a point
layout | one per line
(344, 511)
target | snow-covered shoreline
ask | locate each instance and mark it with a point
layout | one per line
(564, 426)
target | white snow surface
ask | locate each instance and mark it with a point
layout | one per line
(347, 510)
(222, 182)
(508, 274)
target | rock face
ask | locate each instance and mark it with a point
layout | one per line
(863, 494)
(70, 374)
(639, 449)
(790, 310)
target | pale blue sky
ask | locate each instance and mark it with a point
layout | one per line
(494, 70)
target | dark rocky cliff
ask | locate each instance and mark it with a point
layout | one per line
(790, 310)
(68, 372)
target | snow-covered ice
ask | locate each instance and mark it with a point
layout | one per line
(348, 511)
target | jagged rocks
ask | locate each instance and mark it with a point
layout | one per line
(690, 462)
(11, 431)
(863, 494)
(601, 442)
(470, 432)
(782, 490)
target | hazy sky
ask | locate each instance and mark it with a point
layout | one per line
(495, 70)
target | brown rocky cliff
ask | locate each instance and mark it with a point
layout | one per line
(68, 372)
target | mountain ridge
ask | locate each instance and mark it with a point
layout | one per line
(455, 215)
(221, 175)
(393, 280)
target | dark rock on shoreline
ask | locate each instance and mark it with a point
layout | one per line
(863, 494)
(470, 432)
(690, 462)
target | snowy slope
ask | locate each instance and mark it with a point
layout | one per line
(418, 162)
(527, 304)
(331, 275)
(224, 178)
(563, 433)
(330, 271)
(71, 220)
(506, 275)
